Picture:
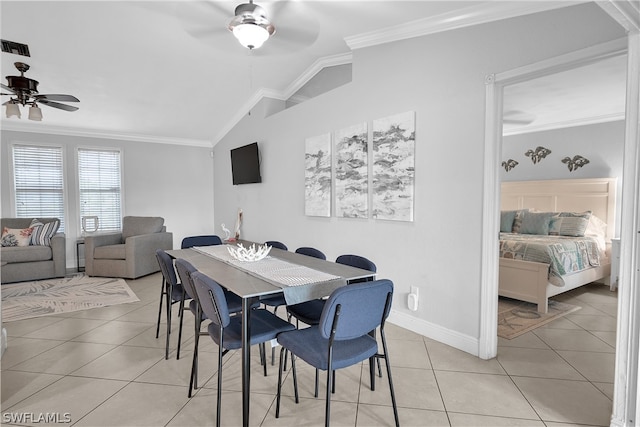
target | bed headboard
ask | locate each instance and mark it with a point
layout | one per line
(597, 195)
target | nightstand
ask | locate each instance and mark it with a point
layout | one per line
(615, 262)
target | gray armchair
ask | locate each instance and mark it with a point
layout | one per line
(130, 254)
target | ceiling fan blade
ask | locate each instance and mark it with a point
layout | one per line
(57, 105)
(516, 117)
(5, 87)
(56, 97)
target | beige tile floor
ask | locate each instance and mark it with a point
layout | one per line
(104, 367)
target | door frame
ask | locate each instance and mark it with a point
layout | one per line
(626, 406)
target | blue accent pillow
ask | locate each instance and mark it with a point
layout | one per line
(536, 222)
(506, 221)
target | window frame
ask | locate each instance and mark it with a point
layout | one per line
(64, 224)
(77, 150)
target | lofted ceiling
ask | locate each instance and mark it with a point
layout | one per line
(170, 71)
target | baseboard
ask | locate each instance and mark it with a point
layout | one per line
(436, 332)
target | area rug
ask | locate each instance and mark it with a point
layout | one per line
(47, 297)
(517, 317)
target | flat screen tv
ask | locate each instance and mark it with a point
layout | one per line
(245, 164)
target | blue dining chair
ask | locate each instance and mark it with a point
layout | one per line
(278, 300)
(172, 293)
(313, 252)
(207, 240)
(342, 337)
(226, 330)
(276, 244)
(234, 304)
(309, 312)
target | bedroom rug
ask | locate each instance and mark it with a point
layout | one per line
(517, 317)
(47, 297)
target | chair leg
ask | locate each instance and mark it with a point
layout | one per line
(181, 315)
(393, 394)
(193, 381)
(166, 350)
(315, 393)
(263, 357)
(282, 350)
(295, 378)
(219, 401)
(372, 372)
(162, 295)
(330, 385)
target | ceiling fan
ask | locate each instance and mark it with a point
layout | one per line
(24, 91)
(517, 117)
(251, 24)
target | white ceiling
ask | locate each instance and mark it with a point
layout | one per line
(170, 71)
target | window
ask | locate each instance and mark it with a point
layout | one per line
(38, 182)
(100, 190)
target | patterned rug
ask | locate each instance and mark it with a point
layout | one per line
(47, 297)
(517, 317)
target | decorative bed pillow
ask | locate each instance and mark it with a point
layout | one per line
(16, 236)
(597, 229)
(517, 220)
(506, 221)
(535, 222)
(572, 224)
(43, 232)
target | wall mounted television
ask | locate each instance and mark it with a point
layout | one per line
(245, 164)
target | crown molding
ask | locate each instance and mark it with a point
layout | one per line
(625, 12)
(328, 61)
(24, 126)
(565, 124)
(460, 18)
(315, 68)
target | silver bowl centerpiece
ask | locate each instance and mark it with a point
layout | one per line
(250, 254)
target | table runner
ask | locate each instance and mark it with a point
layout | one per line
(296, 281)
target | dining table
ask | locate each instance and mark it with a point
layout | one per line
(299, 277)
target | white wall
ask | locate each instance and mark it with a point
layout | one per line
(171, 181)
(601, 143)
(440, 77)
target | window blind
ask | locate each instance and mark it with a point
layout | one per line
(99, 178)
(39, 182)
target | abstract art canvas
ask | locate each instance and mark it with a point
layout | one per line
(394, 167)
(317, 176)
(352, 174)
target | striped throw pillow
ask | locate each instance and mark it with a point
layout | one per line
(43, 232)
(570, 224)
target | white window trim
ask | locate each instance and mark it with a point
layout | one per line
(77, 180)
(12, 186)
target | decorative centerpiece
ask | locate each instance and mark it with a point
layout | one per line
(249, 254)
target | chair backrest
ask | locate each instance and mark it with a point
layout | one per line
(357, 261)
(185, 270)
(166, 266)
(276, 244)
(311, 252)
(363, 307)
(212, 299)
(208, 240)
(138, 225)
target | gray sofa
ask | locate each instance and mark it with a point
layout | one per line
(23, 263)
(130, 254)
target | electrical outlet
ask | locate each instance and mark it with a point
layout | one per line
(415, 290)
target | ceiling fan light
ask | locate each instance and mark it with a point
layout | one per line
(35, 113)
(251, 36)
(13, 110)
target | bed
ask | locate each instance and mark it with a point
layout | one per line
(534, 280)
